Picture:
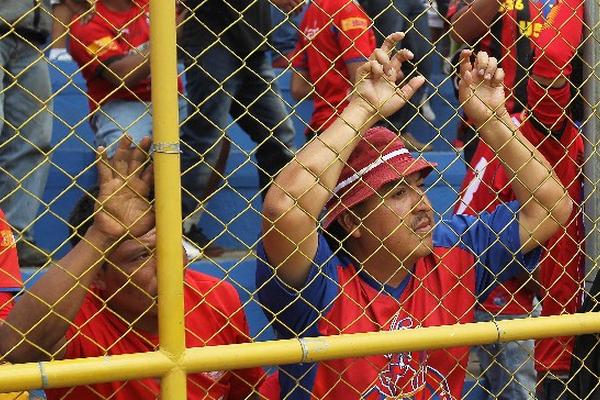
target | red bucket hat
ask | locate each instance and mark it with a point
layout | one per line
(379, 158)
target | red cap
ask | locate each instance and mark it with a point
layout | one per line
(379, 158)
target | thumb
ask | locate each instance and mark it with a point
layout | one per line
(409, 89)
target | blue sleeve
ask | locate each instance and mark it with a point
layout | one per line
(11, 289)
(295, 312)
(493, 238)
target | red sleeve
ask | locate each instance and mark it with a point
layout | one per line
(10, 275)
(270, 389)
(93, 43)
(354, 33)
(6, 304)
(549, 105)
(454, 7)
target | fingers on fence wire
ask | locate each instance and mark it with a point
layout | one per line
(125, 184)
(466, 69)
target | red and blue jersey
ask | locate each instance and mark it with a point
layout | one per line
(470, 255)
(333, 33)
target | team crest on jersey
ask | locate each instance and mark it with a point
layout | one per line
(6, 238)
(354, 23)
(102, 45)
(407, 375)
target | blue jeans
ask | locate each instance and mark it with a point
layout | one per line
(219, 84)
(25, 132)
(507, 368)
(116, 117)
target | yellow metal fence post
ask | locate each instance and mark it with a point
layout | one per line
(163, 59)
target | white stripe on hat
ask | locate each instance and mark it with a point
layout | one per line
(380, 160)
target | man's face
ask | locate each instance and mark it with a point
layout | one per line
(128, 279)
(400, 219)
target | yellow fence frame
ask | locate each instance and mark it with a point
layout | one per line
(53, 374)
(167, 184)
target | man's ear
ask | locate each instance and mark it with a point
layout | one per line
(351, 223)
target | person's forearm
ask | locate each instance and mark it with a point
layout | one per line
(300, 86)
(60, 25)
(129, 70)
(532, 178)
(43, 313)
(473, 21)
(310, 178)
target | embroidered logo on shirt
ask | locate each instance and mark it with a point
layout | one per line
(101, 46)
(408, 374)
(354, 23)
(6, 238)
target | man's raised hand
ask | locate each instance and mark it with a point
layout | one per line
(376, 89)
(481, 88)
(125, 181)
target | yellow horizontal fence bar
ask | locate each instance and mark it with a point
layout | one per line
(364, 344)
(66, 373)
(137, 366)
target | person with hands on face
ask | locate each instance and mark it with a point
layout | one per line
(100, 299)
(381, 261)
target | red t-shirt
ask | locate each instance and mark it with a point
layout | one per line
(106, 37)
(213, 316)
(333, 33)
(10, 275)
(561, 267)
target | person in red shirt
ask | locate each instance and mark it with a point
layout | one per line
(11, 281)
(548, 125)
(111, 44)
(335, 39)
(382, 262)
(100, 299)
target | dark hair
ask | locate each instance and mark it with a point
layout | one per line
(82, 216)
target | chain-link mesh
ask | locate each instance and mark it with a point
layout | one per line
(345, 222)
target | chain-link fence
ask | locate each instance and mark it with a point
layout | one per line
(359, 221)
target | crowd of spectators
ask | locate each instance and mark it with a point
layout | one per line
(515, 239)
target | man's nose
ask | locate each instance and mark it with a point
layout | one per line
(422, 201)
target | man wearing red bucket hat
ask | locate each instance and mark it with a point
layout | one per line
(382, 262)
